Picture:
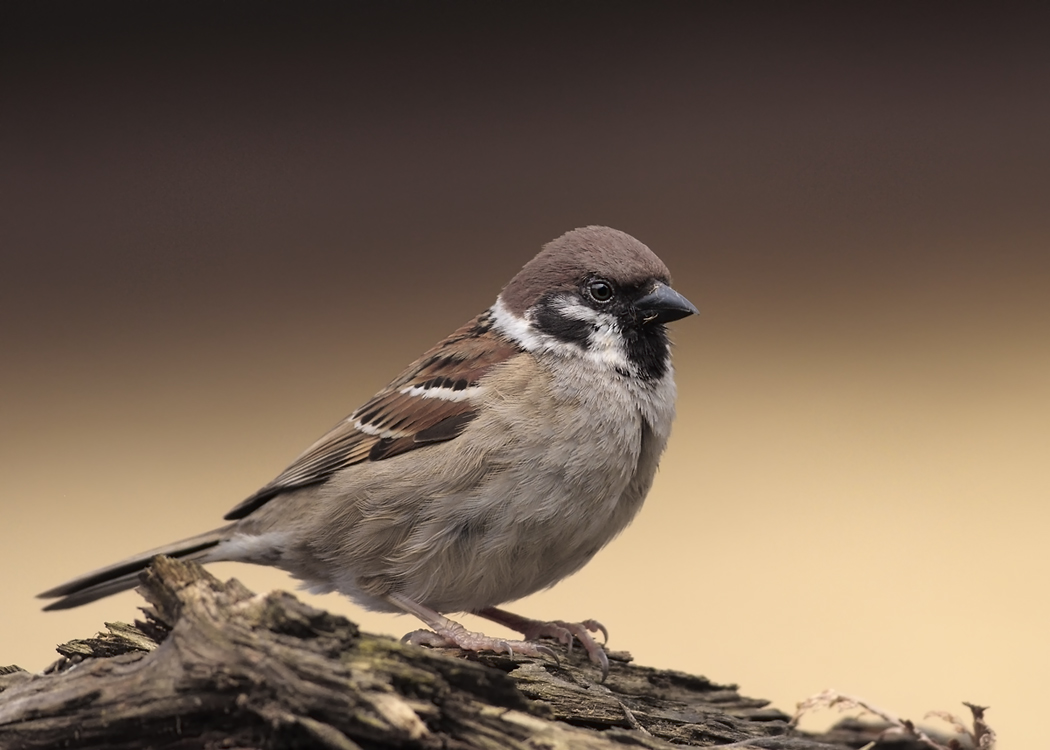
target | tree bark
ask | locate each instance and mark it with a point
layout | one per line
(212, 665)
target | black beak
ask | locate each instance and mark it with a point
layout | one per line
(663, 304)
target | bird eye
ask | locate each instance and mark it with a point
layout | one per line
(600, 290)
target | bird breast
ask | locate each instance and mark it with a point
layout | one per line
(556, 464)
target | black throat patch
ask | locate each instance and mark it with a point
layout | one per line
(648, 349)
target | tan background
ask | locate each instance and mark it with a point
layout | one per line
(220, 236)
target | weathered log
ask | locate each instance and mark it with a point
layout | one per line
(213, 665)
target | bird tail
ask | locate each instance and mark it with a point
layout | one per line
(125, 574)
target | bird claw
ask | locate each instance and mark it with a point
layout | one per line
(457, 636)
(595, 651)
(449, 633)
(425, 638)
(596, 627)
(548, 651)
(566, 633)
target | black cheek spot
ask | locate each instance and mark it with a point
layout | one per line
(551, 320)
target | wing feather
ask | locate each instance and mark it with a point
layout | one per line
(431, 401)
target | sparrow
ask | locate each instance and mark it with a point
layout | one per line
(499, 462)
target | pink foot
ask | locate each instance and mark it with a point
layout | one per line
(455, 635)
(561, 631)
(449, 633)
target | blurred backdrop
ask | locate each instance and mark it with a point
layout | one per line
(226, 225)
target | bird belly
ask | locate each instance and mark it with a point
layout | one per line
(519, 501)
(488, 558)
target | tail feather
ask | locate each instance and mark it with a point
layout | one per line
(125, 574)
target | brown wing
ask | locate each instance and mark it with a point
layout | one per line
(429, 402)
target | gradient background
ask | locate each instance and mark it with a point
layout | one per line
(225, 226)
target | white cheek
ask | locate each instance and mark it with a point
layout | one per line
(605, 343)
(605, 348)
(516, 328)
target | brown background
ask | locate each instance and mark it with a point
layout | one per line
(225, 226)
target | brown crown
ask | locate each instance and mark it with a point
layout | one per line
(589, 251)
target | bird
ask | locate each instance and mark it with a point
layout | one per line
(496, 464)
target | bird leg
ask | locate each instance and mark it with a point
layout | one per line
(557, 629)
(449, 633)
